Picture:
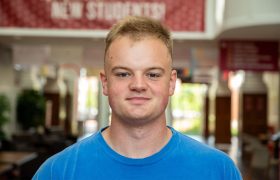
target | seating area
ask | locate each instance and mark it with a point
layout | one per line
(24, 153)
(259, 160)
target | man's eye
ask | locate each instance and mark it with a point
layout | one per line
(153, 75)
(122, 74)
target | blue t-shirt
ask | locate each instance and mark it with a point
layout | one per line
(182, 158)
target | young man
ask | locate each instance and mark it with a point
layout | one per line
(138, 80)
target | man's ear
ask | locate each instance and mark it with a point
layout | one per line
(104, 82)
(172, 82)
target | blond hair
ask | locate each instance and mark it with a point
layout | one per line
(136, 28)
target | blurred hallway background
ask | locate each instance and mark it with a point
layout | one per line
(227, 94)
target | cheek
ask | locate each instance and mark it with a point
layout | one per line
(163, 93)
(116, 89)
(114, 95)
(162, 103)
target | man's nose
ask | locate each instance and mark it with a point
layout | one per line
(138, 83)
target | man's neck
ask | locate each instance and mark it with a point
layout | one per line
(137, 142)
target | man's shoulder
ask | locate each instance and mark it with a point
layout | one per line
(65, 162)
(197, 148)
(70, 153)
(68, 157)
(203, 156)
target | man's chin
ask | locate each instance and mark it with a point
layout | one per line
(137, 120)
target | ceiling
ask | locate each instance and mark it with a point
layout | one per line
(263, 32)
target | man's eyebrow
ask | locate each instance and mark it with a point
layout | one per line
(156, 68)
(119, 68)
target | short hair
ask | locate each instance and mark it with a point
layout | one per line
(138, 27)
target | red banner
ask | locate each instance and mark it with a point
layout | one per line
(179, 15)
(249, 55)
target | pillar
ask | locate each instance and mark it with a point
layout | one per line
(223, 113)
(254, 105)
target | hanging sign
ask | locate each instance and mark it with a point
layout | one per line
(179, 15)
(249, 55)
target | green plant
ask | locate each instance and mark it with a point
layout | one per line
(4, 114)
(30, 109)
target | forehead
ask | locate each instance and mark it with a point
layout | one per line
(132, 38)
(128, 50)
(124, 41)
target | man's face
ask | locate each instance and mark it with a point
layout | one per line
(138, 79)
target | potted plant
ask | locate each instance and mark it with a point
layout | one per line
(30, 109)
(4, 114)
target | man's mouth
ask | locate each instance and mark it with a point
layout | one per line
(137, 100)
